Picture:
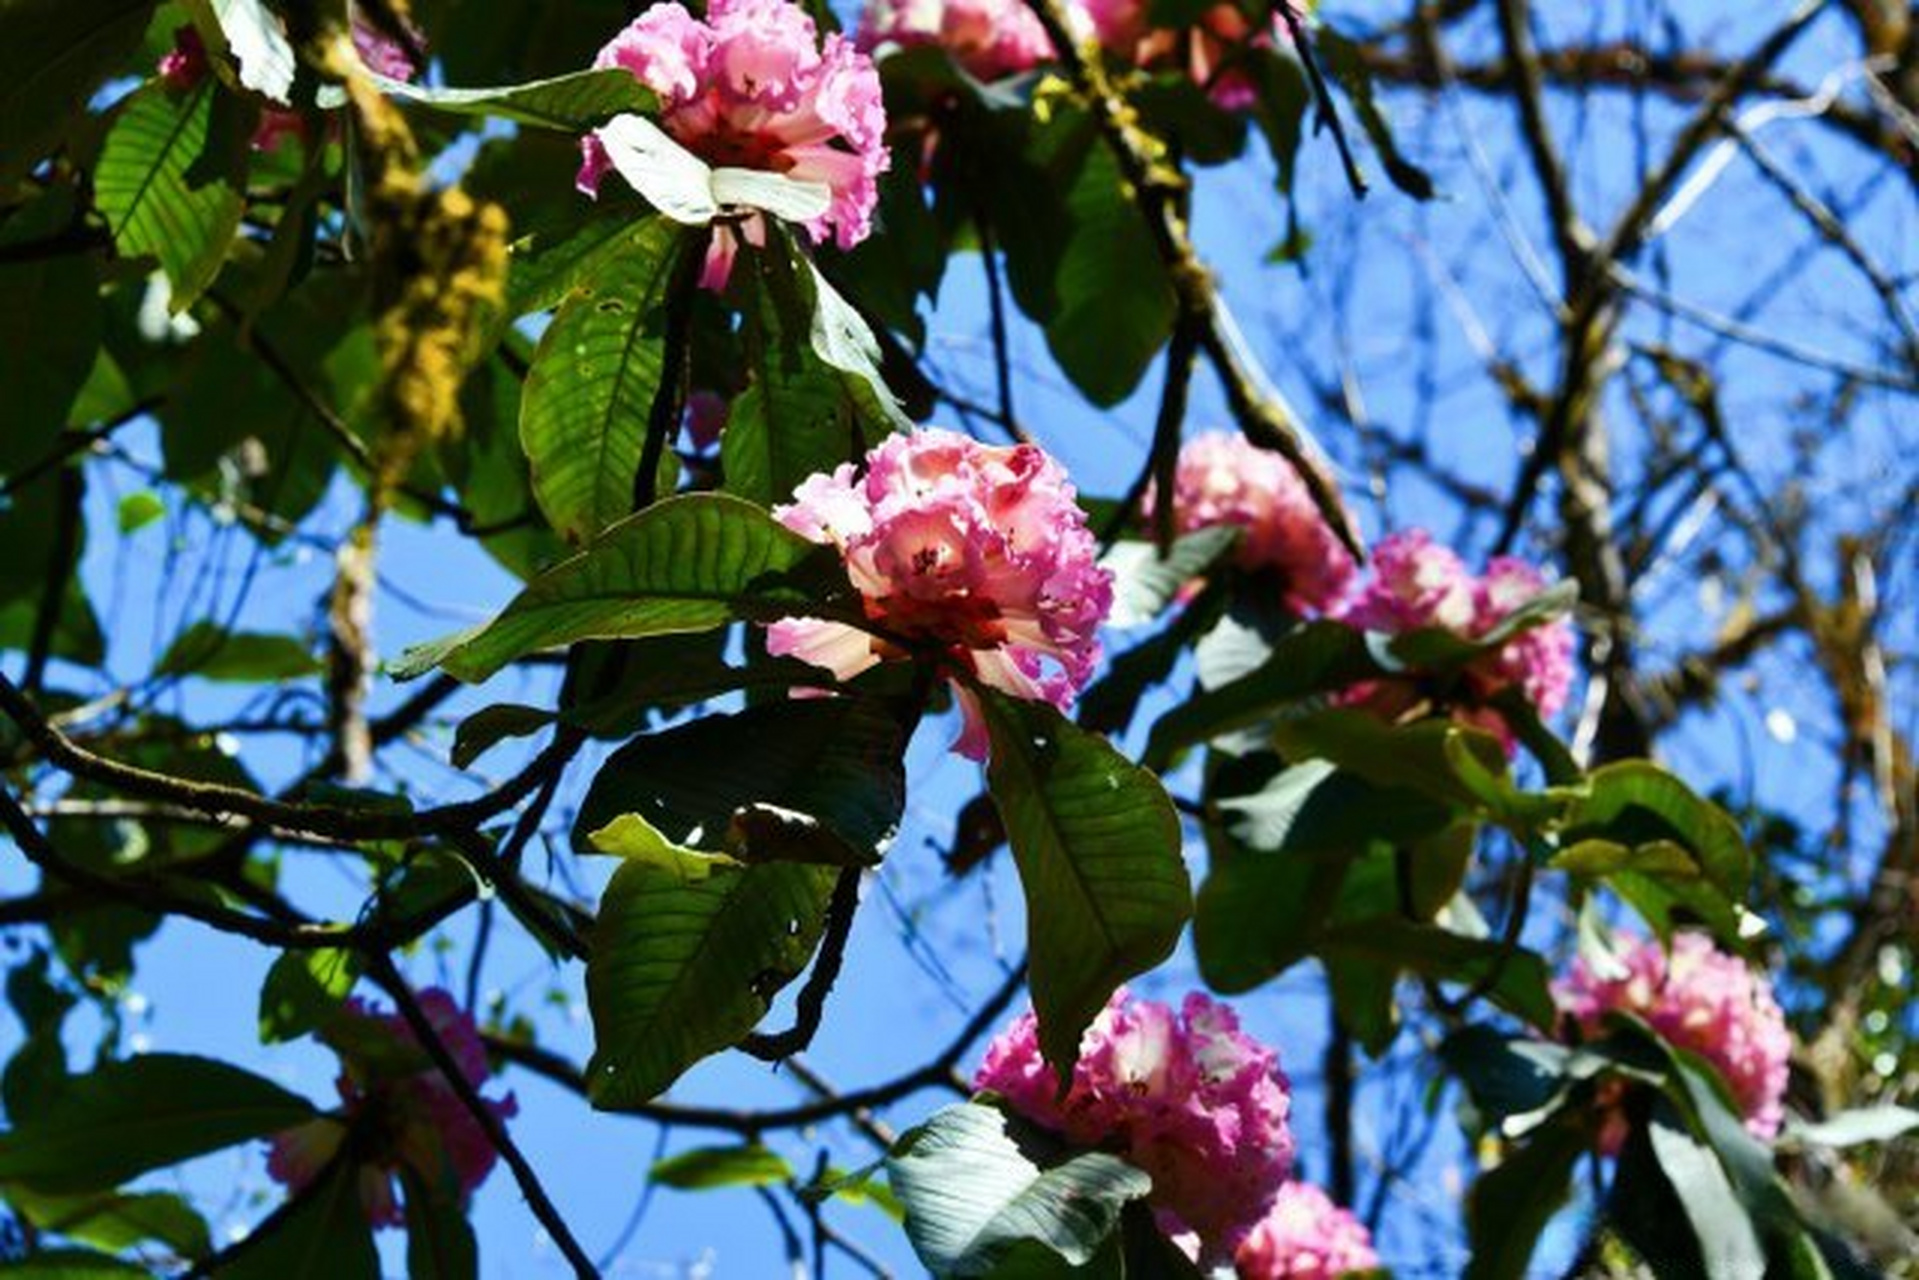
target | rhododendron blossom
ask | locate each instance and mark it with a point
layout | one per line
(753, 87)
(1185, 1096)
(1224, 479)
(981, 554)
(1305, 1236)
(988, 38)
(1700, 999)
(401, 1112)
(1208, 49)
(1416, 583)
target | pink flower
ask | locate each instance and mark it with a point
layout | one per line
(1699, 999)
(1207, 50)
(402, 1114)
(1224, 479)
(1416, 583)
(185, 64)
(980, 554)
(1305, 1236)
(753, 87)
(1186, 1097)
(990, 39)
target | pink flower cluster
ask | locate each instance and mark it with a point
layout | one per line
(1224, 479)
(1186, 1097)
(402, 1118)
(1702, 1000)
(990, 39)
(979, 553)
(1208, 50)
(1305, 1236)
(753, 87)
(1416, 583)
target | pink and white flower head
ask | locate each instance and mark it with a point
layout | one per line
(1207, 50)
(401, 1114)
(990, 39)
(1224, 479)
(1186, 1097)
(1416, 583)
(1700, 999)
(978, 553)
(1305, 1236)
(753, 87)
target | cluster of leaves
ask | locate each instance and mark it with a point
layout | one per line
(152, 263)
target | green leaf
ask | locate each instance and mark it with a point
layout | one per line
(140, 509)
(56, 54)
(1728, 1244)
(976, 1184)
(303, 989)
(1144, 583)
(162, 195)
(440, 1243)
(112, 1220)
(1098, 848)
(686, 564)
(71, 1264)
(144, 1113)
(687, 953)
(1425, 756)
(594, 378)
(1310, 659)
(1116, 304)
(1509, 1207)
(1855, 1128)
(210, 652)
(1519, 977)
(816, 398)
(1636, 802)
(1506, 1075)
(487, 727)
(256, 38)
(813, 780)
(325, 1237)
(50, 329)
(704, 1168)
(546, 266)
(570, 103)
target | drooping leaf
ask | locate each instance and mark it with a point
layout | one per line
(489, 726)
(440, 1244)
(1098, 848)
(140, 1114)
(977, 1183)
(1509, 1207)
(1729, 1247)
(325, 1237)
(704, 1168)
(57, 52)
(161, 190)
(210, 652)
(571, 103)
(1856, 1127)
(687, 564)
(303, 989)
(831, 765)
(114, 1220)
(687, 953)
(1144, 582)
(599, 365)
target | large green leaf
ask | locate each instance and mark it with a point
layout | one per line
(688, 952)
(704, 1168)
(1098, 848)
(686, 564)
(818, 779)
(976, 1184)
(570, 103)
(114, 1220)
(325, 1237)
(50, 328)
(1510, 1206)
(167, 184)
(816, 398)
(56, 53)
(599, 366)
(1515, 978)
(144, 1113)
(211, 652)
